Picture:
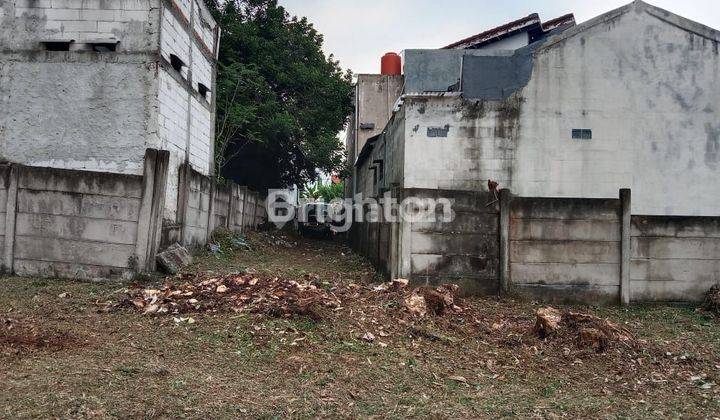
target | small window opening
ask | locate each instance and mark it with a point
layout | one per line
(57, 45)
(176, 62)
(380, 168)
(203, 90)
(104, 46)
(581, 134)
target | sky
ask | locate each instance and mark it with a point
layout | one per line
(358, 32)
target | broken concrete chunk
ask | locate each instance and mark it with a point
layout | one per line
(174, 258)
(415, 304)
(547, 321)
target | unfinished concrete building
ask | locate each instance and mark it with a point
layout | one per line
(627, 100)
(106, 136)
(92, 84)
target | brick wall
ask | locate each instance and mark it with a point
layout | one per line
(132, 22)
(174, 39)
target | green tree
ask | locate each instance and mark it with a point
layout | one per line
(281, 101)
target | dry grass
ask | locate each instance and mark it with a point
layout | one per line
(65, 357)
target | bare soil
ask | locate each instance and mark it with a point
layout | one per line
(336, 344)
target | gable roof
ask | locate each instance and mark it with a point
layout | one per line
(637, 5)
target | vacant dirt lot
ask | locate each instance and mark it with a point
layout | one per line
(72, 349)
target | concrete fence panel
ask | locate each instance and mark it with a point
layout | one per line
(238, 221)
(95, 225)
(5, 172)
(76, 224)
(197, 207)
(221, 209)
(464, 251)
(250, 208)
(565, 249)
(674, 258)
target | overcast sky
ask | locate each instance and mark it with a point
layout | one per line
(359, 32)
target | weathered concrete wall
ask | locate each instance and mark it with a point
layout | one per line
(464, 251)
(195, 226)
(375, 95)
(77, 110)
(565, 249)
(238, 208)
(23, 23)
(456, 144)
(186, 118)
(250, 208)
(76, 224)
(221, 209)
(4, 184)
(646, 83)
(122, 101)
(674, 258)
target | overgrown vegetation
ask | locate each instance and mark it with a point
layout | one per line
(62, 356)
(316, 191)
(281, 101)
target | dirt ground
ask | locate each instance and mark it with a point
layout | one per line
(70, 349)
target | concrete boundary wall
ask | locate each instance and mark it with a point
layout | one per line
(81, 224)
(95, 225)
(5, 172)
(573, 250)
(674, 258)
(464, 251)
(595, 251)
(565, 249)
(204, 205)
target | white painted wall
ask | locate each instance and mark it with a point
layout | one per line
(647, 89)
(471, 152)
(202, 71)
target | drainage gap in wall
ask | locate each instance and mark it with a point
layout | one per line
(57, 45)
(104, 46)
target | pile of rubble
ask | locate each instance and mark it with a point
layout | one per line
(184, 294)
(312, 298)
(588, 331)
(712, 300)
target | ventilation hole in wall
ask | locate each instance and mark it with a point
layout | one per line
(57, 45)
(176, 62)
(203, 90)
(581, 134)
(104, 46)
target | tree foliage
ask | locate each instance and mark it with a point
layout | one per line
(326, 192)
(280, 100)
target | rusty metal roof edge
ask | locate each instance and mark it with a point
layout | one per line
(503, 29)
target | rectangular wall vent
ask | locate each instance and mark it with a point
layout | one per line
(581, 134)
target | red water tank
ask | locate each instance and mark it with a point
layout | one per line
(390, 64)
